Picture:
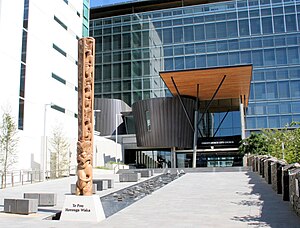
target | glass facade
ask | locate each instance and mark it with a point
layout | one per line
(132, 49)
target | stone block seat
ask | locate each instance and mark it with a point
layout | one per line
(101, 184)
(44, 199)
(129, 177)
(20, 206)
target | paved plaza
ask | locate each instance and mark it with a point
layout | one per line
(199, 199)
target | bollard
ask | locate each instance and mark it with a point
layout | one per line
(12, 179)
(31, 177)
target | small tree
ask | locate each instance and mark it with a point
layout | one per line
(8, 144)
(254, 144)
(59, 150)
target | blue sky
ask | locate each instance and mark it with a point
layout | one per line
(94, 3)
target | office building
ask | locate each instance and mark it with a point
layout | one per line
(38, 59)
(139, 42)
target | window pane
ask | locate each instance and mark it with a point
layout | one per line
(295, 89)
(178, 35)
(255, 26)
(274, 122)
(232, 28)
(167, 36)
(244, 27)
(257, 58)
(281, 56)
(260, 91)
(290, 21)
(267, 25)
(188, 33)
(199, 32)
(293, 55)
(221, 30)
(284, 89)
(190, 62)
(278, 24)
(272, 90)
(210, 31)
(269, 57)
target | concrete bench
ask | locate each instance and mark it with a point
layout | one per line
(73, 189)
(111, 182)
(101, 184)
(144, 173)
(129, 177)
(20, 206)
(44, 199)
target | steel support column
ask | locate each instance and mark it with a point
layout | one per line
(221, 123)
(243, 134)
(182, 104)
(213, 97)
(196, 128)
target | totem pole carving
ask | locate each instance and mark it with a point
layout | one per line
(86, 60)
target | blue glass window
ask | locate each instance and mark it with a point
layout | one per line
(246, 57)
(189, 49)
(178, 50)
(179, 63)
(293, 55)
(221, 30)
(212, 60)
(274, 121)
(210, 31)
(234, 58)
(200, 61)
(272, 91)
(189, 33)
(295, 89)
(269, 57)
(278, 24)
(290, 21)
(273, 108)
(190, 62)
(261, 122)
(167, 36)
(270, 74)
(178, 35)
(257, 57)
(281, 56)
(296, 107)
(286, 120)
(285, 107)
(199, 32)
(244, 27)
(260, 91)
(284, 89)
(232, 29)
(223, 59)
(267, 26)
(255, 26)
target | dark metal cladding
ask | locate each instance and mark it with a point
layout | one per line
(105, 120)
(168, 124)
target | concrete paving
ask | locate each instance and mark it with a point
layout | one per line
(201, 199)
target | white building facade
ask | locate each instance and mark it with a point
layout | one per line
(38, 70)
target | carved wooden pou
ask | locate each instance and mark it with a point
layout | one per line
(86, 61)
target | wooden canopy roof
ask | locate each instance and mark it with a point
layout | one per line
(235, 85)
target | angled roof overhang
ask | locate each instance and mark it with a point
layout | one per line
(234, 88)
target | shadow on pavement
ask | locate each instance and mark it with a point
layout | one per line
(274, 211)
